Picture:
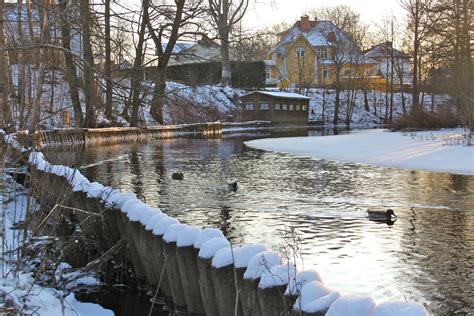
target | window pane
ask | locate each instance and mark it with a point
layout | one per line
(284, 107)
(277, 106)
(263, 106)
(291, 107)
(298, 107)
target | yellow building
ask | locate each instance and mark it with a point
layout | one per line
(312, 53)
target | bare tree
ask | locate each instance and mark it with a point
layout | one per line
(171, 23)
(41, 66)
(89, 78)
(226, 14)
(344, 18)
(420, 25)
(4, 104)
(70, 70)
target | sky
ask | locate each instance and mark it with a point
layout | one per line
(265, 13)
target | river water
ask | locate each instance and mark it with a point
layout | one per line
(313, 211)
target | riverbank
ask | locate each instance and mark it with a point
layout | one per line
(19, 289)
(438, 151)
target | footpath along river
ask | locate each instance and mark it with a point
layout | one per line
(315, 206)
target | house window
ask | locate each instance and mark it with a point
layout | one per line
(249, 106)
(291, 107)
(305, 108)
(347, 72)
(322, 52)
(326, 73)
(298, 107)
(284, 107)
(300, 51)
(264, 106)
(277, 106)
(268, 74)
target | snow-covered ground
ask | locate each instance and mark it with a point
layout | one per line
(18, 288)
(440, 151)
(207, 103)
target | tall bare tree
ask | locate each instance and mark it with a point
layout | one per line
(4, 106)
(420, 25)
(340, 38)
(108, 60)
(41, 65)
(171, 23)
(89, 78)
(226, 14)
(70, 70)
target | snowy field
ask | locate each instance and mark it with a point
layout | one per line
(439, 151)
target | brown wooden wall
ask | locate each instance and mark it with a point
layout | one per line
(275, 116)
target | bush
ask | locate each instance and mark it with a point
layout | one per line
(244, 74)
(419, 120)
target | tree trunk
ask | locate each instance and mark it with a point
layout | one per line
(159, 91)
(416, 44)
(108, 63)
(337, 101)
(41, 68)
(366, 101)
(70, 70)
(224, 30)
(157, 102)
(225, 59)
(89, 81)
(137, 65)
(6, 119)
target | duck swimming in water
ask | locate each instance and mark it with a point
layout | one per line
(232, 186)
(381, 216)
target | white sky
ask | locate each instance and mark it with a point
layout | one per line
(263, 14)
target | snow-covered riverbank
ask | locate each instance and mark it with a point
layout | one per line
(18, 288)
(439, 151)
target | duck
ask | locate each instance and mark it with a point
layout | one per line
(232, 186)
(177, 176)
(381, 216)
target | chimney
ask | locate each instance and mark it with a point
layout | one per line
(304, 24)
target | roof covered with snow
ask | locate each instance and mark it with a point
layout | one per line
(384, 50)
(279, 94)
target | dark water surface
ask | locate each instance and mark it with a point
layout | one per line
(317, 207)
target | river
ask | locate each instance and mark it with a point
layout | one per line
(314, 211)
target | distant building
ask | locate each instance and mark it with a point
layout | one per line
(275, 106)
(308, 54)
(202, 51)
(391, 64)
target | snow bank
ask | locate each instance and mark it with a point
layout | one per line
(207, 234)
(351, 305)
(260, 263)
(300, 279)
(188, 236)
(381, 148)
(277, 276)
(212, 246)
(240, 256)
(399, 308)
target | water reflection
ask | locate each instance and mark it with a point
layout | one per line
(427, 255)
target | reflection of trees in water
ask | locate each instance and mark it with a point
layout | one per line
(439, 243)
(136, 171)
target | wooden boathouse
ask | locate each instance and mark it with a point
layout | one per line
(276, 106)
